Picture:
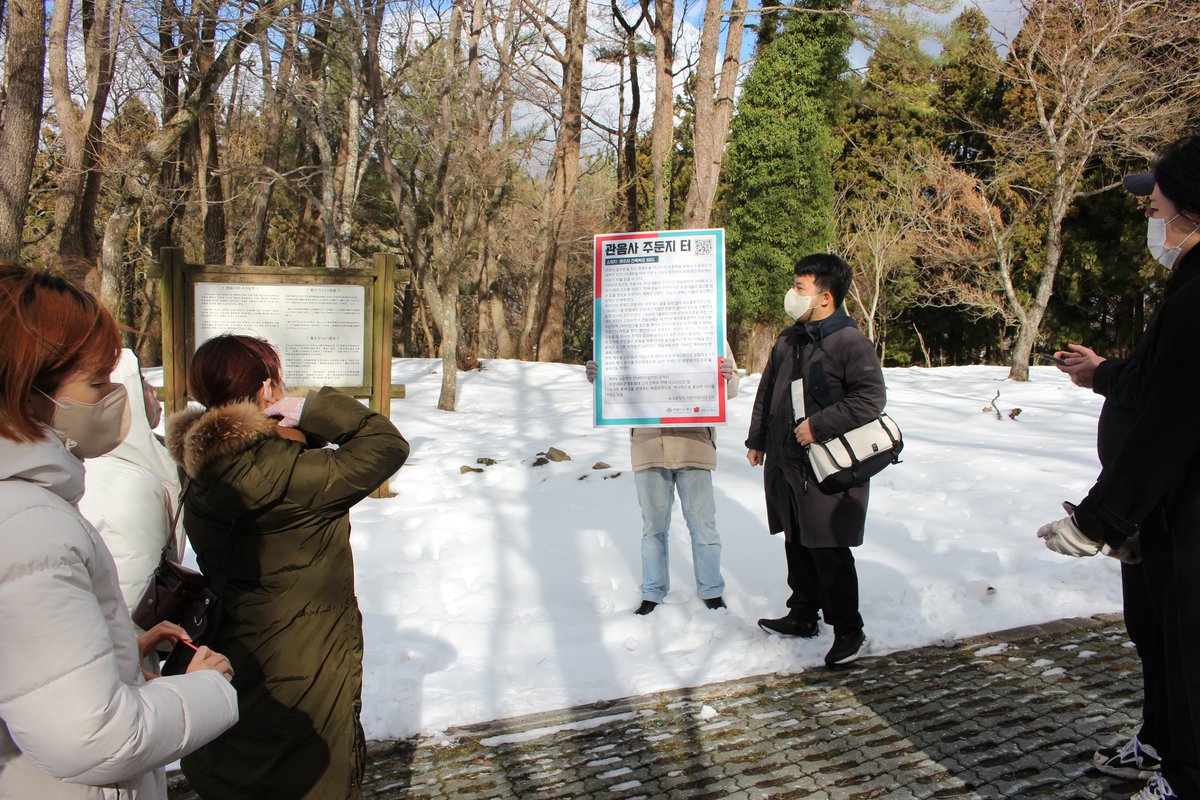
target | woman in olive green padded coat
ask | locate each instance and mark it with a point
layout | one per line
(267, 511)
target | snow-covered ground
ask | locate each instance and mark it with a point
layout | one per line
(509, 591)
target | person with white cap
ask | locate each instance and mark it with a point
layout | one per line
(1145, 505)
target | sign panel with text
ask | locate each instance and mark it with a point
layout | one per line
(660, 328)
(318, 329)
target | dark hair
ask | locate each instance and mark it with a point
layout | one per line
(229, 369)
(1177, 173)
(829, 272)
(50, 330)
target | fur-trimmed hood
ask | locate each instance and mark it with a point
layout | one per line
(197, 437)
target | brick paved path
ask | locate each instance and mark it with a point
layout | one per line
(1014, 714)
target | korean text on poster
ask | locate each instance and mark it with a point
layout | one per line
(660, 328)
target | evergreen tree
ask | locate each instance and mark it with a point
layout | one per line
(890, 111)
(778, 194)
(968, 91)
(890, 115)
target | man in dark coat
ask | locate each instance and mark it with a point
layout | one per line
(1119, 382)
(842, 390)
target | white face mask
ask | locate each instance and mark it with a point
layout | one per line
(1156, 241)
(796, 305)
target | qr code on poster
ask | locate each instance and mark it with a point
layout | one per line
(703, 247)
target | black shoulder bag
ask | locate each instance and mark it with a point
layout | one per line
(175, 593)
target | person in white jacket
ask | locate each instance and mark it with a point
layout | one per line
(132, 492)
(78, 719)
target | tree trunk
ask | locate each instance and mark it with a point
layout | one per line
(544, 341)
(758, 346)
(663, 126)
(82, 131)
(627, 129)
(20, 117)
(714, 110)
(448, 324)
(1063, 189)
(629, 163)
(212, 193)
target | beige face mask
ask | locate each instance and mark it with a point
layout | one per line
(91, 429)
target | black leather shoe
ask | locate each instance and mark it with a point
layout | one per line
(645, 608)
(790, 626)
(846, 648)
(715, 602)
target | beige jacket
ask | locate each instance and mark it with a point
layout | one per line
(676, 448)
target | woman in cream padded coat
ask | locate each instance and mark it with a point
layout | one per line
(78, 719)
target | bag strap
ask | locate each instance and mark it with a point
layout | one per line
(173, 537)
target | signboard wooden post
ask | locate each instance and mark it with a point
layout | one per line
(331, 328)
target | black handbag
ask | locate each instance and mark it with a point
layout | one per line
(176, 593)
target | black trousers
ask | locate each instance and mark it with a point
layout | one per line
(1146, 635)
(1168, 641)
(822, 579)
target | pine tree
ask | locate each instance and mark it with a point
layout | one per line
(890, 115)
(968, 93)
(778, 194)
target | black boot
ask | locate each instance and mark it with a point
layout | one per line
(645, 608)
(847, 647)
(791, 626)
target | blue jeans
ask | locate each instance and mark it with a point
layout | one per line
(656, 489)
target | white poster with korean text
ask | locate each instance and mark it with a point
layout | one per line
(659, 328)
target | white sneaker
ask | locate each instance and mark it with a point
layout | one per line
(1132, 760)
(1156, 788)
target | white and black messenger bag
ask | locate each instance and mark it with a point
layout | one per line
(854, 457)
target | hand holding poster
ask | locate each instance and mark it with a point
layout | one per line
(660, 328)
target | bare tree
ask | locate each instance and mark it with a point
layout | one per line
(879, 235)
(543, 330)
(158, 148)
(964, 237)
(276, 82)
(332, 112)
(20, 115)
(452, 175)
(1088, 79)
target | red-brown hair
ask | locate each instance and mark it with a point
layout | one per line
(49, 329)
(229, 369)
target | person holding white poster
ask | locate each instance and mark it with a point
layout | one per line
(842, 388)
(659, 332)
